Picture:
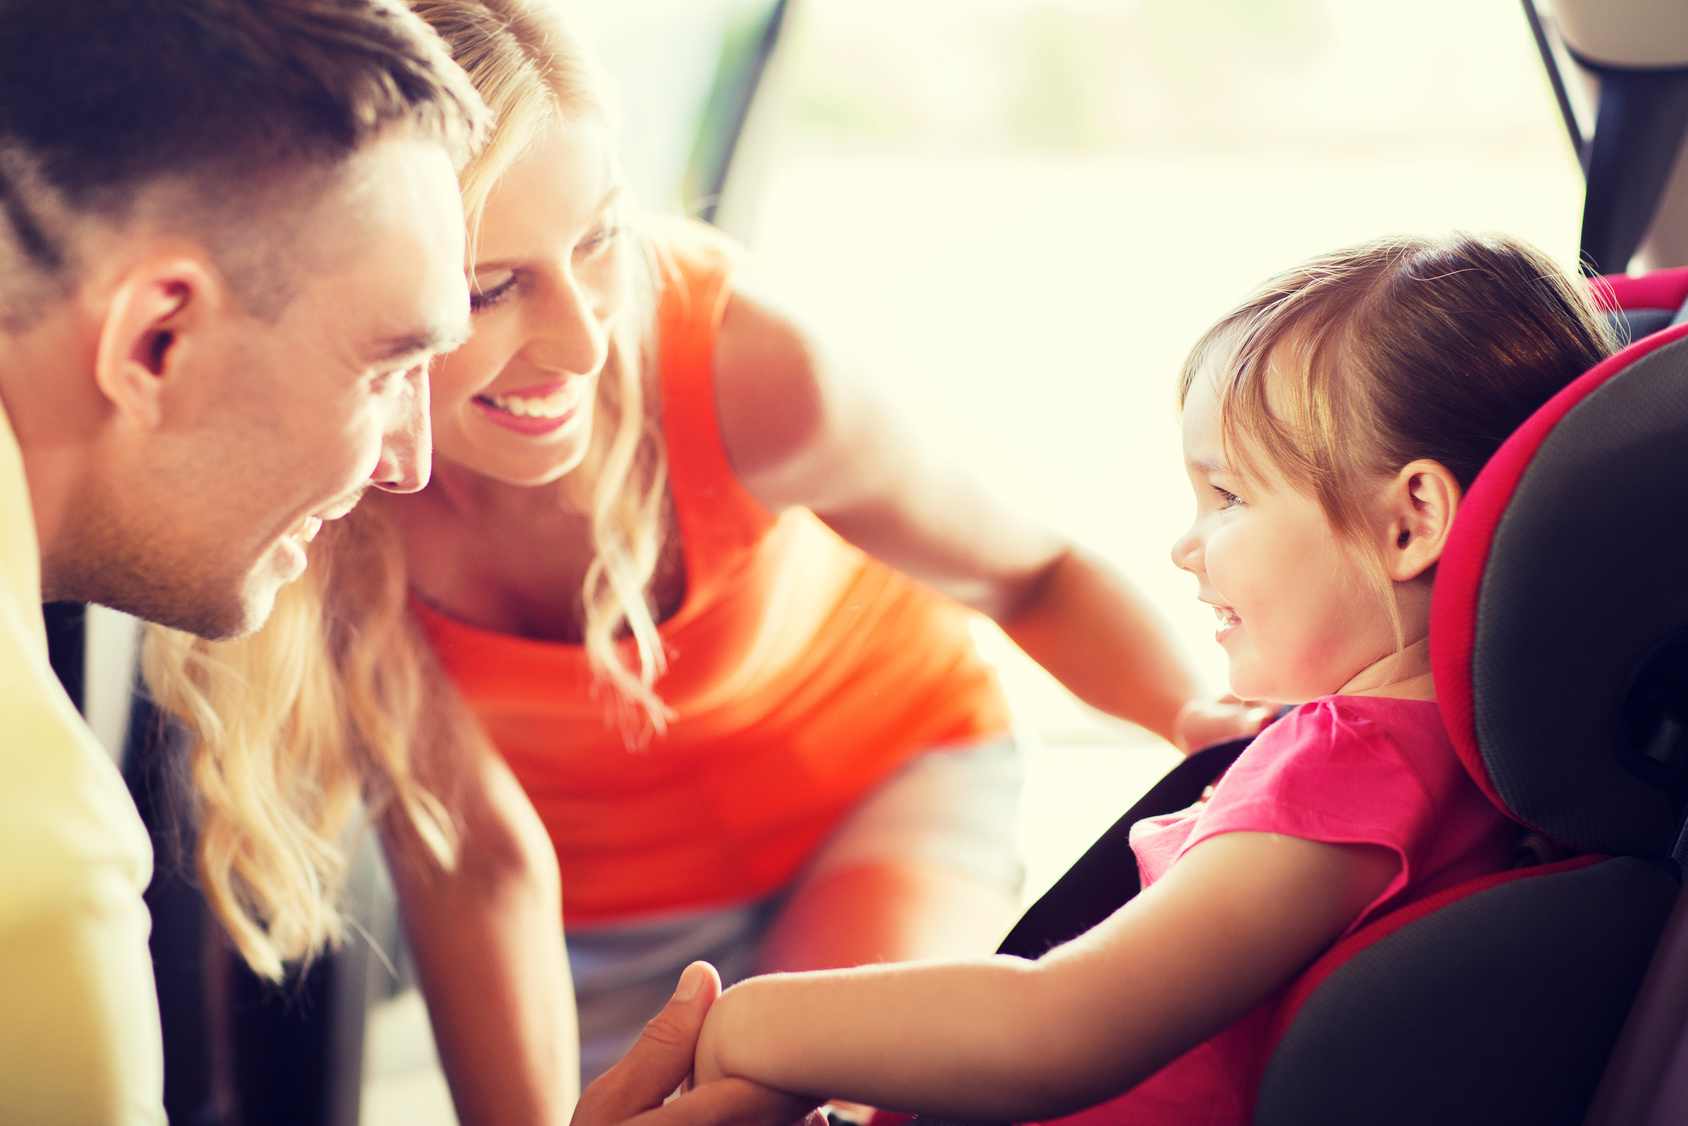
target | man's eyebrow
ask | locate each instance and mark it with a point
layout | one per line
(433, 340)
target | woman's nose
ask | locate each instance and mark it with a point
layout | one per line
(569, 337)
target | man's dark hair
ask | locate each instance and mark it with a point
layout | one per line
(234, 100)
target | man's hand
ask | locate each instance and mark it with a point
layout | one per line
(632, 1092)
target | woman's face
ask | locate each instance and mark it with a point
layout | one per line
(515, 403)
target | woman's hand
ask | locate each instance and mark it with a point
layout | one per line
(633, 1091)
(1203, 721)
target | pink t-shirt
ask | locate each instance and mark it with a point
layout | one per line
(1340, 770)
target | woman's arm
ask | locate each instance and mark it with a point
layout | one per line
(488, 941)
(1001, 1038)
(801, 432)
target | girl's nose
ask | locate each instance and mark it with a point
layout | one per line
(1187, 551)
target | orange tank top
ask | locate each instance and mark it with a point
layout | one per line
(802, 673)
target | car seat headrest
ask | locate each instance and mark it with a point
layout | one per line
(1641, 304)
(1559, 622)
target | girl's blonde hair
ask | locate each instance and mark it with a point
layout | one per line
(338, 695)
(1339, 372)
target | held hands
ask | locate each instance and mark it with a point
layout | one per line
(1202, 721)
(633, 1091)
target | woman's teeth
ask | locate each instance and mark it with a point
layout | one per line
(555, 405)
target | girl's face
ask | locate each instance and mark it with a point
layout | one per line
(1298, 615)
(516, 402)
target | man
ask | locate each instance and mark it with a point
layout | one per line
(230, 240)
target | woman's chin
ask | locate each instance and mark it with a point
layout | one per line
(531, 476)
(531, 467)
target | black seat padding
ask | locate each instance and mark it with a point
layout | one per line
(1100, 881)
(1496, 1009)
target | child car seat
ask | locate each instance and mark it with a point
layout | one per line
(1559, 642)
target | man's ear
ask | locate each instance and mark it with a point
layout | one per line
(1420, 504)
(152, 313)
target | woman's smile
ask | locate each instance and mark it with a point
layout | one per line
(540, 409)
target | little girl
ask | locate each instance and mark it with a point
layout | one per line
(1331, 426)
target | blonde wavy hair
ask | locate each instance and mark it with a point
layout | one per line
(338, 697)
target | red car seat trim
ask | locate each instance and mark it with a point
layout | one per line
(1459, 579)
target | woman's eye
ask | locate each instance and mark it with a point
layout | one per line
(598, 239)
(485, 298)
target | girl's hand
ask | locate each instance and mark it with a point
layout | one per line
(1203, 721)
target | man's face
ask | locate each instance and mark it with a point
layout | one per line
(271, 426)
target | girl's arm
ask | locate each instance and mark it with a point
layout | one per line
(800, 432)
(488, 941)
(1001, 1038)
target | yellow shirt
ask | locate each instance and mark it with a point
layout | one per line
(79, 1037)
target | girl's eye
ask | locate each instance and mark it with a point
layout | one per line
(1227, 499)
(485, 298)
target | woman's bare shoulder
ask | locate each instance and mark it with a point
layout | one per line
(770, 400)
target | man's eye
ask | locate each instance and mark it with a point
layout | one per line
(390, 383)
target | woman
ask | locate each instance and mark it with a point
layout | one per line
(650, 622)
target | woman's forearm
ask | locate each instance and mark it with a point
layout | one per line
(1098, 635)
(488, 942)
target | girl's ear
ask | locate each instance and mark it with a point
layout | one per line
(1419, 507)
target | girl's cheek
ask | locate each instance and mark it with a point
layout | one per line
(1223, 552)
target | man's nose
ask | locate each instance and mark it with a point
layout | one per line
(407, 448)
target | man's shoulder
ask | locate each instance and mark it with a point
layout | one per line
(68, 827)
